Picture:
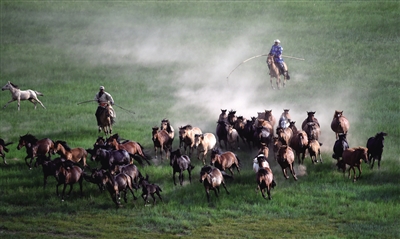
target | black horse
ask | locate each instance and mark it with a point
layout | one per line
(375, 148)
(340, 145)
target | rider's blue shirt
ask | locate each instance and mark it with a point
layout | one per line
(276, 50)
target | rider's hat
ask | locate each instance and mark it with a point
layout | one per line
(101, 87)
(277, 40)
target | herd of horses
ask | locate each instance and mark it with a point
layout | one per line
(116, 157)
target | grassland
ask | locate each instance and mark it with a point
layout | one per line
(166, 59)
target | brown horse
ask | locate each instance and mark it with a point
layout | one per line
(353, 157)
(68, 175)
(212, 178)
(186, 137)
(105, 121)
(286, 160)
(310, 118)
(74, 154)
(3, 150)
(299, 144)
(265, 181)
(161, 140)
(314, 148)
(276, 145)
(35, 147)
(149, 189)
(166, 125)
(131, 147)
(313, 130)
(226, 160)
(339, 124)
(274, 72)
(284, 135)
(117, 184)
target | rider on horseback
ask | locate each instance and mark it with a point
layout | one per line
(276, 51)
(105, 101)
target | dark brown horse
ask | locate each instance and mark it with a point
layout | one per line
(224, 160)
(353, 157)
(68, 175)
(212, 178)
(222, 133)
(149, 189)
(166, 125)
(161, 140)
(299, 144)
(313, 130)
(75, 154)
(3, 150)
(310, 118)
(339, 124)
(117, 184)
(131, 147)
(180, 163)
(130, 170)
(35, 147)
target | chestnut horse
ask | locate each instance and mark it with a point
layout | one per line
(339, 124)
(75, 154)
(225, 160)
(35, 147)
(131, 147)
(353, 157)
(275, 73)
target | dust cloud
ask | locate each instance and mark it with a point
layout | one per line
(203, 54)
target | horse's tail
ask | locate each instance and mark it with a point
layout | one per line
(38, 93)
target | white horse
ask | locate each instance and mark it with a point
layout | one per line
(19, 95)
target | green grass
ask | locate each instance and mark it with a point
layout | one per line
(164, 59)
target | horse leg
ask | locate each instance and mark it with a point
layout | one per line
(272, 85)
(223, 184)
(9, 103)
(181, 177)
(278, 83)
(39, 103)
(173, 177)
(292, 171)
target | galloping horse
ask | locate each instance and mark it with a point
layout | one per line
(75, 154)
(105, 122)
(19, 95)
(339, 124)
(131, 147)
(275, 73)
(35, 147)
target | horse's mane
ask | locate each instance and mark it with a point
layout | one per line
(29, 138)
(15, 86)
(187, 127)
(64, 144)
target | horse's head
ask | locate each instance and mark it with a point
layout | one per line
(338, 114)
(204, 172)
(363, 153)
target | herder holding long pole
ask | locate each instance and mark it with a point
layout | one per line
(276, 51)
